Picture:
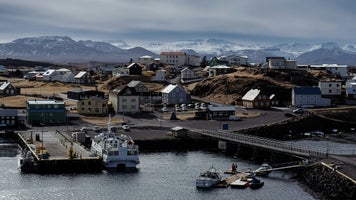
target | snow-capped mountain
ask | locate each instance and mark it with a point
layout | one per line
(56, 48)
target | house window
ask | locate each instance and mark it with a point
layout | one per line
(89, 103)
(330, 85)
(133, 107)
(96, 110)
(89, 109)
(329, 91)
(124, 100)
(133, 100)
(82, 103)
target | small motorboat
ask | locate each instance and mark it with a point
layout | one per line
(256, 183)
(264, 170)
(240, 183)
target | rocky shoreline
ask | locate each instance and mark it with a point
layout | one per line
(325, 181)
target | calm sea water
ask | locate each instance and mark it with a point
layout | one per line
(160, 176)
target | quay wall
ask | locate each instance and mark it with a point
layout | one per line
(327, 182)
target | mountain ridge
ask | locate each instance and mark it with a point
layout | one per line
(63, 48)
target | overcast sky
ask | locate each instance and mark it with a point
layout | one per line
(170, 20)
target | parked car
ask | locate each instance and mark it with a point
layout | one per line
(178, 109)
(164, 109)
(126, 127)
(234, 118)
(84, 129)
(298, 111)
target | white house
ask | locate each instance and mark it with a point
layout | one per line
(279, 63)
(48, 75)
(340, 70)
(330, 88)
(308, 96)
(187, 76)
(351, 91)
(160, 76)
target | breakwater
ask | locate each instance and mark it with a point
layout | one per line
(327, 182)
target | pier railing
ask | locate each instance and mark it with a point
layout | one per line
(272, 144)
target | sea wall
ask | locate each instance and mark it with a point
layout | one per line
(328, 183)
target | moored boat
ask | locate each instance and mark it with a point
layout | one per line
(263, 170)
(240, 183)
(209, 178)
(256, 183)
(117, 150)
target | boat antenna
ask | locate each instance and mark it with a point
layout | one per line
(109, 124)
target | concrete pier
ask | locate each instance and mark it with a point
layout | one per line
(54, 152)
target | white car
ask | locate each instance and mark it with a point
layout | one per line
(164, 109)
(234, 118)
(84, 129)
(126, 127)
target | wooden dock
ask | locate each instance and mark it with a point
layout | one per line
(227, 182)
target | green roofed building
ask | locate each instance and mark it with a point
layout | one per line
(46, 112)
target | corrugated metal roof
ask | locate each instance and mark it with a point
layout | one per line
(169, 88)
(4, 85)
(307, 90)
(80, 74)
(133, 83)
(44, 102)
(173, 53)
(251, 95)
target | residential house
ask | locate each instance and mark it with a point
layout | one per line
(179, 58)
(54, 75)
(106, 70)
(135, 69)
(214, 61)
(145, 60)
(330, 87)
(46, 112)
(10, 118)
(219, 70)
(188, 76)
(139, 86)
(254, 98)
(83, 77)
(7, 89)
(351, 91)
(125, 100)
(68, 77)
(80, 94)
(336, 69)
(93, 106)
(234, 60)
(121, 71)
(274, 100)
(279, 63)
(308, 96)
(160, 76)
(175, 94)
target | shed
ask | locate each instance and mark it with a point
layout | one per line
(179, 131)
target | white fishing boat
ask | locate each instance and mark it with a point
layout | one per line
(209, 178)
(117, 150)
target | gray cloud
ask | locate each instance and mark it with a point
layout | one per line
(177, 19)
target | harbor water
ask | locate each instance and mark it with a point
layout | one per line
(161, 176)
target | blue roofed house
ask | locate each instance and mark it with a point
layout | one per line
(308, 97)
(175, 94)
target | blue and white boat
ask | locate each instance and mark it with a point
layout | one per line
(209, 178)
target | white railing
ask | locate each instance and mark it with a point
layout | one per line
(267, 143)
